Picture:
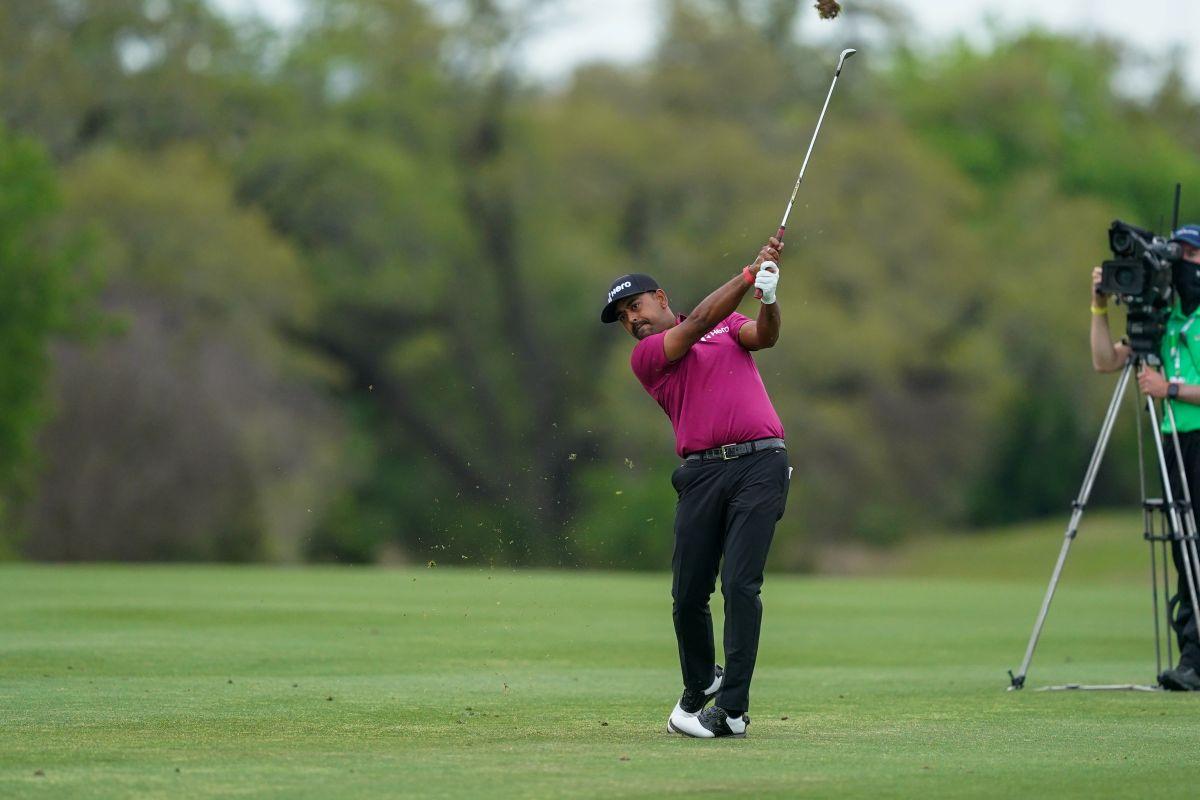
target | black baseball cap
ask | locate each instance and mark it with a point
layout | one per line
(622, 287)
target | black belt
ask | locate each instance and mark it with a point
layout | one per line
(730, 451)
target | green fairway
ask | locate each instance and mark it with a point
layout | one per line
(259, 682)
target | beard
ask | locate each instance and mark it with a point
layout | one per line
(642, 330)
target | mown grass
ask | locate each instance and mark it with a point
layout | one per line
(1109, 548)
(325, 682)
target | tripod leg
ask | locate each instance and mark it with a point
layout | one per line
(1166, 592)
(1085, 491)
(1187, 534)
(1183, 527)
(1157, 536)
(1154, 519)
(1148, 524)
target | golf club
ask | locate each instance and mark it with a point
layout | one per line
(849, 51)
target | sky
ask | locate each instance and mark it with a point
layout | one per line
(625, 30)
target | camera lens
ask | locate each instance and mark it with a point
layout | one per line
(1126, 279)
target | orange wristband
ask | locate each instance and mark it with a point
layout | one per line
(747, 275)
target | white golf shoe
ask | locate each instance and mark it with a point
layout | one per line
(692, 702)
(712, 723)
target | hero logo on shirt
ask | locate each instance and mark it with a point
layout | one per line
(616, 289)
(714, 332)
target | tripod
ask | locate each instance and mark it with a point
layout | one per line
(1175, 523)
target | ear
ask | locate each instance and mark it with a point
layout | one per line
(661, 297)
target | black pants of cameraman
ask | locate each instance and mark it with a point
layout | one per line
(1184, 620)
(725, 518)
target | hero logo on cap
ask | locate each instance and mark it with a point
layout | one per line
(622, 287)
(618, 288)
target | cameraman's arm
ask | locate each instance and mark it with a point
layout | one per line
(1106, 356)
(1152, 383)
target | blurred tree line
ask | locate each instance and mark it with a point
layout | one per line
(333, 292)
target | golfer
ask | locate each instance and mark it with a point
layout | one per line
(733, 482)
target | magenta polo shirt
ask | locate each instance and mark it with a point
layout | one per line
(714, 394)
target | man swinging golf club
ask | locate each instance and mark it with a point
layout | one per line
(733, 483)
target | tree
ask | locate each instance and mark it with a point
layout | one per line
(195, 430)
(35, 295)
(86, 72)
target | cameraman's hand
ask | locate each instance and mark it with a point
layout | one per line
(1099, 298)
(1152, 383)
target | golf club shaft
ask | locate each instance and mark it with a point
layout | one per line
(800, 179)
(796, 189)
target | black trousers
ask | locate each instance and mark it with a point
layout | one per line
(725, 519)
(1185, 620)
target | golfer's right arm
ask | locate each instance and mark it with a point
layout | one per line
(1106, 356)
(716, 307)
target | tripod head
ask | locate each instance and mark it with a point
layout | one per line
(1145, 360)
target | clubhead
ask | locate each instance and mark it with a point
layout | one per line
(849, 51)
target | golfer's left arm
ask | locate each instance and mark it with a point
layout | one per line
(764, 331)
(1152, 383)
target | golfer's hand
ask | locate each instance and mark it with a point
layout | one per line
(1152, 383)
(767, 281)
(1099, 298)
(771, 251)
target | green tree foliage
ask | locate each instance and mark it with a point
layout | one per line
(35, 293)
(197, 430)
(1040, 101)
(360, 268)
(1038, 125)
(77, 73)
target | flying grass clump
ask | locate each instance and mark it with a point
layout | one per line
(828, 9)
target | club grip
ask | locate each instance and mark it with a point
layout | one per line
(778, 235)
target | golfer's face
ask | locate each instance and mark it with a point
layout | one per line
(638, 314)
(1190, 253)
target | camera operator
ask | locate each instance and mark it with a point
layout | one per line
(1179, 381)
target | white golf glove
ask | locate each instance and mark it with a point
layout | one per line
(767, 281)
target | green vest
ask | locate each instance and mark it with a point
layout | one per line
(1180, 354)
